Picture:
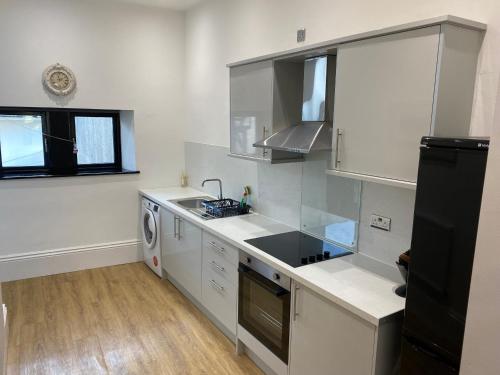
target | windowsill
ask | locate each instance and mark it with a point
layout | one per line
(103, 172)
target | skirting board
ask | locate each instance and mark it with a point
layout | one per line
(51, 262)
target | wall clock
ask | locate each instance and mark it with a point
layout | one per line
(59, 80)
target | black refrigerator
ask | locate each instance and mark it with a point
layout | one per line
(447, 204)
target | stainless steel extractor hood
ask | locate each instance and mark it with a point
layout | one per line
(314, 133)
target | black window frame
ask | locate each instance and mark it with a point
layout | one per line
(83, 169)
(115, 115)
(27, 169)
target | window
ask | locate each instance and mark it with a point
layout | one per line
(21, 140)
(94, 140)
(59, 142)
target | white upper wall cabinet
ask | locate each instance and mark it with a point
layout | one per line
(392, 90)
(251, 107)
(265, 97)
(393, 86)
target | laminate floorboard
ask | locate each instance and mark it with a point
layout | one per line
(112, 320)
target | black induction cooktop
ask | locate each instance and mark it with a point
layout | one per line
(297, 248)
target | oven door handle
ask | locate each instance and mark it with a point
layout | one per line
(265, 283)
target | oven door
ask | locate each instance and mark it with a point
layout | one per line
(264, 311)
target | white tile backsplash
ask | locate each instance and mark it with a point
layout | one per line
(277, 190)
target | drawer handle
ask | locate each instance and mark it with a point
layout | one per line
(220, 268)
(220, 250)
(216, 286)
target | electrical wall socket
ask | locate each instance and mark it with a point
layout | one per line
(380, 222)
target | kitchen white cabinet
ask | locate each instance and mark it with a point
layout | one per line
(3, 335)
(203, 265)
(326, 339)
(392, 90)
(181, 251)
(220, 280)
(251, 107)
(265, 97)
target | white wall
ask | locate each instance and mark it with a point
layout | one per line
(482, 331)
(124, 57)
(222, 31)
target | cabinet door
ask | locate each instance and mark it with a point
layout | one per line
(328, 340)
(182, 254)
(169, 242)
(384, 102)
(251, 107)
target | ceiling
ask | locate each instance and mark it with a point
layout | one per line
(168, 4)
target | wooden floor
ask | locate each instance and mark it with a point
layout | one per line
(113, 320)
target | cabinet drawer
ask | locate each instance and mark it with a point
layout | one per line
(219, 297)
(220, 266)
(221, 248)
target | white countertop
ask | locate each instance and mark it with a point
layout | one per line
(341, 280)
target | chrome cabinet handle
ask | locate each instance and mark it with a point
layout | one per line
(264, 133)
(220, 250)
(177, 227)
(295, 313)
(216, 286)
(214, 264)
(338, 135)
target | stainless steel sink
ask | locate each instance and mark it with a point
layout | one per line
(192, 203)
(195, 206)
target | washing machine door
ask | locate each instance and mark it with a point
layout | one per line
(149, 229)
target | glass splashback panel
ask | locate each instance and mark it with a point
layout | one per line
(330, 206)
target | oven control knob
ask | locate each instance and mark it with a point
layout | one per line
(249, 260)
(303, 261)
(312, 259)
(326, 254)
(319, 257)
(276, 276)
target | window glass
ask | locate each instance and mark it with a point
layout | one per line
(21, 140)
(94, 140)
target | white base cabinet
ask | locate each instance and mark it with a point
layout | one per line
(203, 265)
(220, 280)
(181, 251)
(3, 335)
(326, 339)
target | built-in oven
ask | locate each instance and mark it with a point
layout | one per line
(264, 304)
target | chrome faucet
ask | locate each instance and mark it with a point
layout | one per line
(215, 180)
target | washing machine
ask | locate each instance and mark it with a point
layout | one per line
(150, 223)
